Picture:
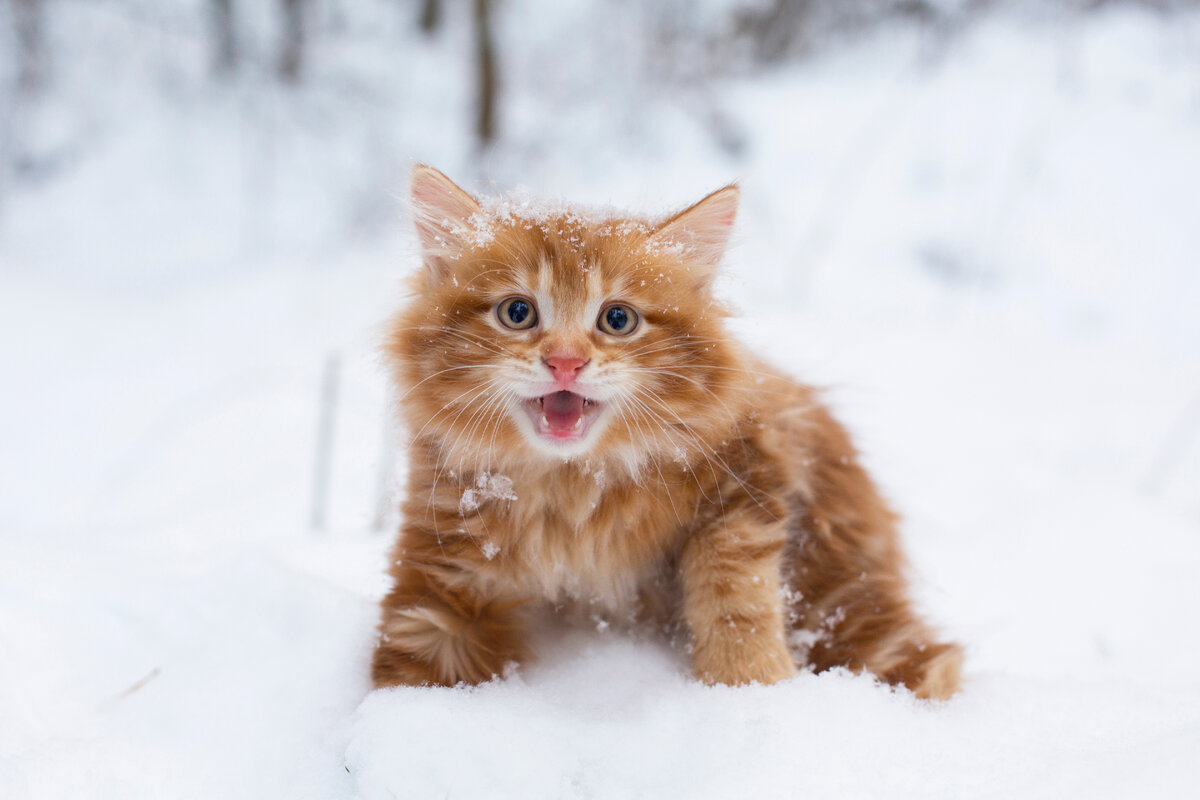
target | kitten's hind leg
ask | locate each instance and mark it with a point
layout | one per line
(846, 572)
(867, 624)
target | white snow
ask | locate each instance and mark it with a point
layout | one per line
(487, 486)
(522, 208)
(641, 729)
(985, 246)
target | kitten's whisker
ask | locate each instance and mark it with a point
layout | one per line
(733, 386)
(498, 417)
(478, 389)
(728, 412)
(416, 385)
(467, 427)
(494, 403)
(699, 441)
(654, 347)
(442, 459)
(677, 341)
(667, 429)
(501, 268)
(437, 330)
(482, 344)
(477, 419)
(658, 468)
(705, 451)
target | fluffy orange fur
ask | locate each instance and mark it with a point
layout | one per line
(584, 432)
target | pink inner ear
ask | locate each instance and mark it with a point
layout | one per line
(424, 194)
(440, 207)
(432, 191)
(705, 227)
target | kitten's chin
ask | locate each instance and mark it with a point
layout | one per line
(562, 424)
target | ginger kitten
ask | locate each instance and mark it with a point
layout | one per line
(585, 431)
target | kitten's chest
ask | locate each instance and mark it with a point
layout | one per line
(577, 537)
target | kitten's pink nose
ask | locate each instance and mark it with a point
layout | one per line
(565, 368)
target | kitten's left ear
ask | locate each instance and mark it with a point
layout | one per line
(702, 230)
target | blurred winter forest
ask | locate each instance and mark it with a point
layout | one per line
(1028, 161)
(334, 99)
(975, 222)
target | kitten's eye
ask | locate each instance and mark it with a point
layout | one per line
(516, 313)
(618, 319)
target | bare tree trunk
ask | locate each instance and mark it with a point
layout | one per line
(291, 54)
(32, 66)
(431, 16)
(225, 49)
(485, 119)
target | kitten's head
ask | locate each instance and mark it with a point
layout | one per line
(538, 335)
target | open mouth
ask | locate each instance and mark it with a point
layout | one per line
(562, 416)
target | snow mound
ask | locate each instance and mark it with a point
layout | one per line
(621, 719)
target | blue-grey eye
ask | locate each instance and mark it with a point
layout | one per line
(618, 319)
(516, 313)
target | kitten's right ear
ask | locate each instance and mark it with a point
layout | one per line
(702, 231)
(442, 213)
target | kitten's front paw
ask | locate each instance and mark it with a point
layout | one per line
(738, 660)
(421, 646)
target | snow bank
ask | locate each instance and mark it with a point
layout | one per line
(616, 719)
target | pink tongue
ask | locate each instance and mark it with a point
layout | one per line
(562, 410)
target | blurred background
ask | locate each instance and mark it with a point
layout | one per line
(976, 222)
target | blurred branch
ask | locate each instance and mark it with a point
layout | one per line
(778, 29)
(225, 52)
(291, 55)
(431, 16)
(485, 119)
(28, 23)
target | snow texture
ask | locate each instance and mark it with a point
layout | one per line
(487, 487)
(983, 242)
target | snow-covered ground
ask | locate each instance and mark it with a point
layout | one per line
(988, 247)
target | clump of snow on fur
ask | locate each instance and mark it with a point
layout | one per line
(487, 487)
(520, 208)
(598, 473)
(801, 641)
(658, 246)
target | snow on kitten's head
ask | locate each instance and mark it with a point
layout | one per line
(538, 333)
